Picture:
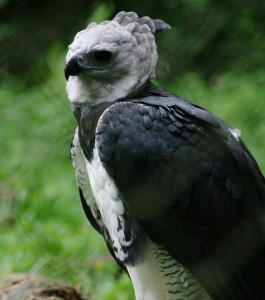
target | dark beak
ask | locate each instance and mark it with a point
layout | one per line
(72, 68)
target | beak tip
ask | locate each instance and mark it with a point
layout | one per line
(66, 73)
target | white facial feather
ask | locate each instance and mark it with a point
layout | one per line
(132, 45)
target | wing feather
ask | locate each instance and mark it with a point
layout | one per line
(191, 185)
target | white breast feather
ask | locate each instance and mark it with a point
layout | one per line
(109, 203)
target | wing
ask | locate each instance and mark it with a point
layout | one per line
(192, 186)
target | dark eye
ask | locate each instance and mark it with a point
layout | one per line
(103, 56)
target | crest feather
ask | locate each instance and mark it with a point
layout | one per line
(125, 18)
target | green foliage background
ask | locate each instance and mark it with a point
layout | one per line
(214, 56)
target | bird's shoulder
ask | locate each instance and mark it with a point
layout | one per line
(156, 119)
(159, 126)
(161, 146)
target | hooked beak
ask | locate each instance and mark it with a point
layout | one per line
(72, 67)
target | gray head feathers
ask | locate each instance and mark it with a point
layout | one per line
(125, 18)
(112, 59)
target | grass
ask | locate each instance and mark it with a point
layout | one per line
(42, 226)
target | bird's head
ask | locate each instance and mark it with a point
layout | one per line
(113, 59)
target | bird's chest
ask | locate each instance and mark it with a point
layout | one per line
(105, 205)
(87, 119)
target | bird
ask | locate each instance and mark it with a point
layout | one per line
(172, 189)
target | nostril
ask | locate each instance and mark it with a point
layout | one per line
(80, 60)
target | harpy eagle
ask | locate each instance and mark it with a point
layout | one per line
(176, 195)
